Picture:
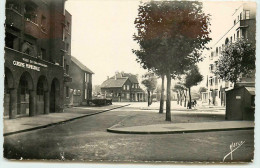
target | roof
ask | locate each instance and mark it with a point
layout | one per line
(112, 83)
(251, 90)
(80, 65)
(132, 78)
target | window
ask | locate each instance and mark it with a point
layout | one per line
(63, 34)
(67, 91)
(67, 69)
(247, 13)
(133, 85)
(243, 33)
(234, 37)
(67, 46)
(231, 39)
(85, 77)
(11, 41)
(253, 100)
(241, 16)
(85, 93)
(30, 11)
(127, 87)
(68, 25)
(124, 87)
(128, 96)
(13, 5)
(234, 21)
(238, 34)
(43, 23)
(43, 54)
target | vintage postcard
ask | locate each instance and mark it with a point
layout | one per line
(129, 81)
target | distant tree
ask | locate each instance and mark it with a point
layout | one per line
(237, 59)
(193, 77)
(180, 89)
(150, 82)
(170, 35)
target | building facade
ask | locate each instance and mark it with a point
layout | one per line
(79, 90)
(244, 26)
(123, 87)
(34, 57)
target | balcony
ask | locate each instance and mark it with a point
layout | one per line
(31, 28)
(13, 18)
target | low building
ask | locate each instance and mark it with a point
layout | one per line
(79, 90)
(123, 87)
(240, 104)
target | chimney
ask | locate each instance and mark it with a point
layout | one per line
(116, 75)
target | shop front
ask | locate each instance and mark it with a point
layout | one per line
(32, 85)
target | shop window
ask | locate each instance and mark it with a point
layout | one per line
(24, 90)
(30, 11)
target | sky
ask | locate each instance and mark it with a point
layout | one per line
(102, 34)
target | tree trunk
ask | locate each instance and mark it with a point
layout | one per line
(148, 97)
(151, 99)
(168, 99)
(178, 97)
(185, 99)
(162, 96)
(189, 99)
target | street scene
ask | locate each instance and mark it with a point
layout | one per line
(129, 82)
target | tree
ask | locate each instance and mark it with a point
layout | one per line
(170, 35)
(150, 82)
(237, 59)
(180, 89)
(193, 77)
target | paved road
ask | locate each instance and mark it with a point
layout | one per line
(86, 139)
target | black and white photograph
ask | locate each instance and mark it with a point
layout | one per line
(129, 82)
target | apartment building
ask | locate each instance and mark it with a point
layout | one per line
(244, 26)
(35, 52)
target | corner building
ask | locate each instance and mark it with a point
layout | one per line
(35, 50)
(244, 26)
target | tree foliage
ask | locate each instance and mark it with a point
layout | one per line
(193, 77)
(150, 82)
(170, 35)
(236, 59)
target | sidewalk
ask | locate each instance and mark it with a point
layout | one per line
(175, 128)
(23, 124)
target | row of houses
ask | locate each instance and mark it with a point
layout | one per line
(41, 76)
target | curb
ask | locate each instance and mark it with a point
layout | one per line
(175, 132)
(60, 122)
